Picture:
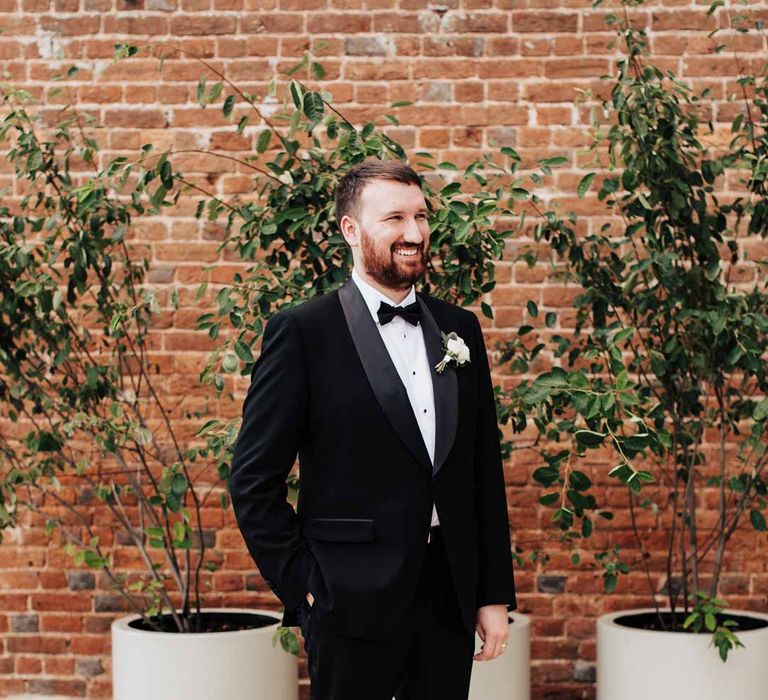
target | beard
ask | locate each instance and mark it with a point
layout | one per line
(386, 270)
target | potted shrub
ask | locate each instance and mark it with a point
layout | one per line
(95, 452)
(668, 388)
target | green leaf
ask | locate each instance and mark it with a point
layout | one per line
(143, 435)
(93, 560)
(318, 71)
(313, 107)
(166, 175)
(712, 271)
(229, 363)
(760, 412)
(511, 153)
(589, 438)
(584, 184)
(579, 481)
(243, 351)
(296, 95)
(179, 484)
(288, 640)
(546, 476)
(214, 92)
(715, 5)
(229, 104)
(553, 379)
(533, 310)
(623, 335)
(556, 160)
(262, 143)
(757, 520)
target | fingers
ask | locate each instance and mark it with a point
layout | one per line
(491, 647)
(493, 630)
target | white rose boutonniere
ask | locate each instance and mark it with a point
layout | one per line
(455, 349)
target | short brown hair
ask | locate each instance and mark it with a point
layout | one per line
(357, 177)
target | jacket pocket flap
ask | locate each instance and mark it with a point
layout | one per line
(340, 529)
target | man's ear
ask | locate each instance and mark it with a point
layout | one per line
(350, 230)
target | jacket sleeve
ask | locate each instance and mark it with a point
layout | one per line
(496, 584)
(273, 424)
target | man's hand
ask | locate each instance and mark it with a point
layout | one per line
(493, 627)
(311, 599)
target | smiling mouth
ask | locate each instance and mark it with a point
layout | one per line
(406, 252)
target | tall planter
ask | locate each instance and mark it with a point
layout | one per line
(508, 676)
(638, 664)
(232, 665)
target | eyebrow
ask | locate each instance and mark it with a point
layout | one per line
(398, 211)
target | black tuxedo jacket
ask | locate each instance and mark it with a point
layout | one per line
(325, 387)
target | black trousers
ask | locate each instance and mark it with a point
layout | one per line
(429, 657)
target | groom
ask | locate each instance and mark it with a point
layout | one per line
(399, 548)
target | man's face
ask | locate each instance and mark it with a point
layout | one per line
(393, 233)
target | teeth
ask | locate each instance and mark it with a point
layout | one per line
(407, 251)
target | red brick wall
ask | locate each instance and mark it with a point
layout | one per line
(481, 72)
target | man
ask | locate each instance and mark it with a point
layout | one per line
(399, 548)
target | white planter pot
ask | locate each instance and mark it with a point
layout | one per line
(235, 665)
(637, 664)
(508, 676)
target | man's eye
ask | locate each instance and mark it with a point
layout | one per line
(394, 218)
(421, 216)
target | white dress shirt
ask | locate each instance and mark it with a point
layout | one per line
(405, 345)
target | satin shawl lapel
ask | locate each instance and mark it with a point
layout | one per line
(385, 381)
(445, 387)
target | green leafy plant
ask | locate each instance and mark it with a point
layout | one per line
(77, 376)
(707, 614)
(670, 381)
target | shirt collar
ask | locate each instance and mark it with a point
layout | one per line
(373, 297)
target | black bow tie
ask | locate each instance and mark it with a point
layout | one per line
(411, 313)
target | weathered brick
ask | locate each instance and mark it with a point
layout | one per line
(203, 26)
(551, 584)
(24, 623)
(544, 22)
(368, 46)
(89, 667)
(80, 580)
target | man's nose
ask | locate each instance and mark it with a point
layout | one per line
(412, 232)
